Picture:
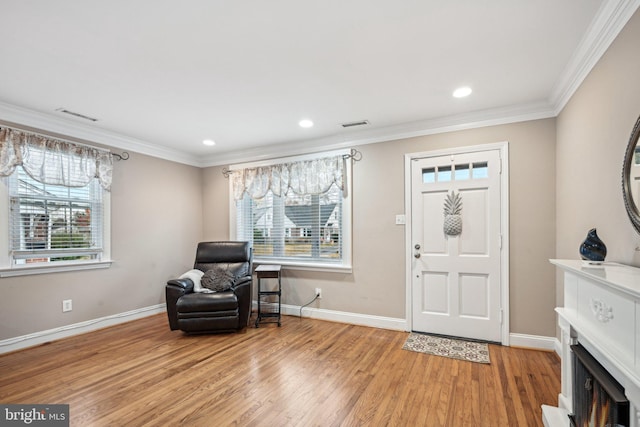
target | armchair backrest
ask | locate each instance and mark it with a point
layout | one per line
(236, 256)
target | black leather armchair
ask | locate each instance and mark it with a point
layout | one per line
(226, 311)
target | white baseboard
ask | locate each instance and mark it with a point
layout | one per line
(392, 323)
(41, 337)
(537, 342)
(345, 317)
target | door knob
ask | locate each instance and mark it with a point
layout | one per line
(417, 255)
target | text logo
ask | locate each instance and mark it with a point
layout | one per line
(34, 415)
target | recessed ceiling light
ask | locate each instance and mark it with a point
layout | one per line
(209, 142)
(461, 92)
(305, 123)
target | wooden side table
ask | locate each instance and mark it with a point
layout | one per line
(269, 305)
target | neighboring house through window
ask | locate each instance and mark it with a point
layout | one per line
(296, 211)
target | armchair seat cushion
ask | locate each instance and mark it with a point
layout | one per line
(231, 314)
(199, 303)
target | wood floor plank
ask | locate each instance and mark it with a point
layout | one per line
(305, 373)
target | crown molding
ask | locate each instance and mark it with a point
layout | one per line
(606, 25)
(611, 18)
(477, 119)
(20, 116)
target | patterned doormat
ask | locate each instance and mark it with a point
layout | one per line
(441, 346)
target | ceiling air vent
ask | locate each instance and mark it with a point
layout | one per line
(353, 124)
(82, 116)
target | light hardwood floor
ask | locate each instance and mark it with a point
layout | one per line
(306, 373)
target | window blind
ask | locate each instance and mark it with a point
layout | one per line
(52, 223)
(293, 227)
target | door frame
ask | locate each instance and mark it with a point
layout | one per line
(503, 148)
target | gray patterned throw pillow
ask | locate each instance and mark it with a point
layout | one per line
(218, 279)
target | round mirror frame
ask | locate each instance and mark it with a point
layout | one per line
(629, 157)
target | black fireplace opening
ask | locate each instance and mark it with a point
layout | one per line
(598, 399)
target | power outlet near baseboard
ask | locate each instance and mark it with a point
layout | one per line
(67, 305)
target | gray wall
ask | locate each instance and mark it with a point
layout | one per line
(593, 132)
(377, 284)
(565, 179)
(156, 220)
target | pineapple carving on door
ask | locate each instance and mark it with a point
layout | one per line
(452, 214)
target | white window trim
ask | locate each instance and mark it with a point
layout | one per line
(6, 268)
(343, 267)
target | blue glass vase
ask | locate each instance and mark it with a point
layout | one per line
(593, 249)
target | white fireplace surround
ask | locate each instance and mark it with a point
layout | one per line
(601, 312)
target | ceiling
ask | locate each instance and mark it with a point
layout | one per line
(160, 76)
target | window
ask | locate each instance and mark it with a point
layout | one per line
(296, 228)
(53, 223)
(459, 172)
(54, 204)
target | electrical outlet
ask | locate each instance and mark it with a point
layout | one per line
(67, 305)
(319, 293)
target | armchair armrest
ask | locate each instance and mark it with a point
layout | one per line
(173, 291)
(185, 284)
(242, 281)
(242, 289)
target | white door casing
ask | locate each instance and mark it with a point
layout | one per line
(458, 285)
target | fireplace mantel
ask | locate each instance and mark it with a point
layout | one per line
(602, 312)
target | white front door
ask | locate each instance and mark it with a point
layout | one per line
(456, 279)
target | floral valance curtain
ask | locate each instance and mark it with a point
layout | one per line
(52, 161)
(302, 177)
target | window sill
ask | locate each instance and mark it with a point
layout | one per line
(308, 266)
(46, 269)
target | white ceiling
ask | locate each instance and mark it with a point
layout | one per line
(161, 75)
